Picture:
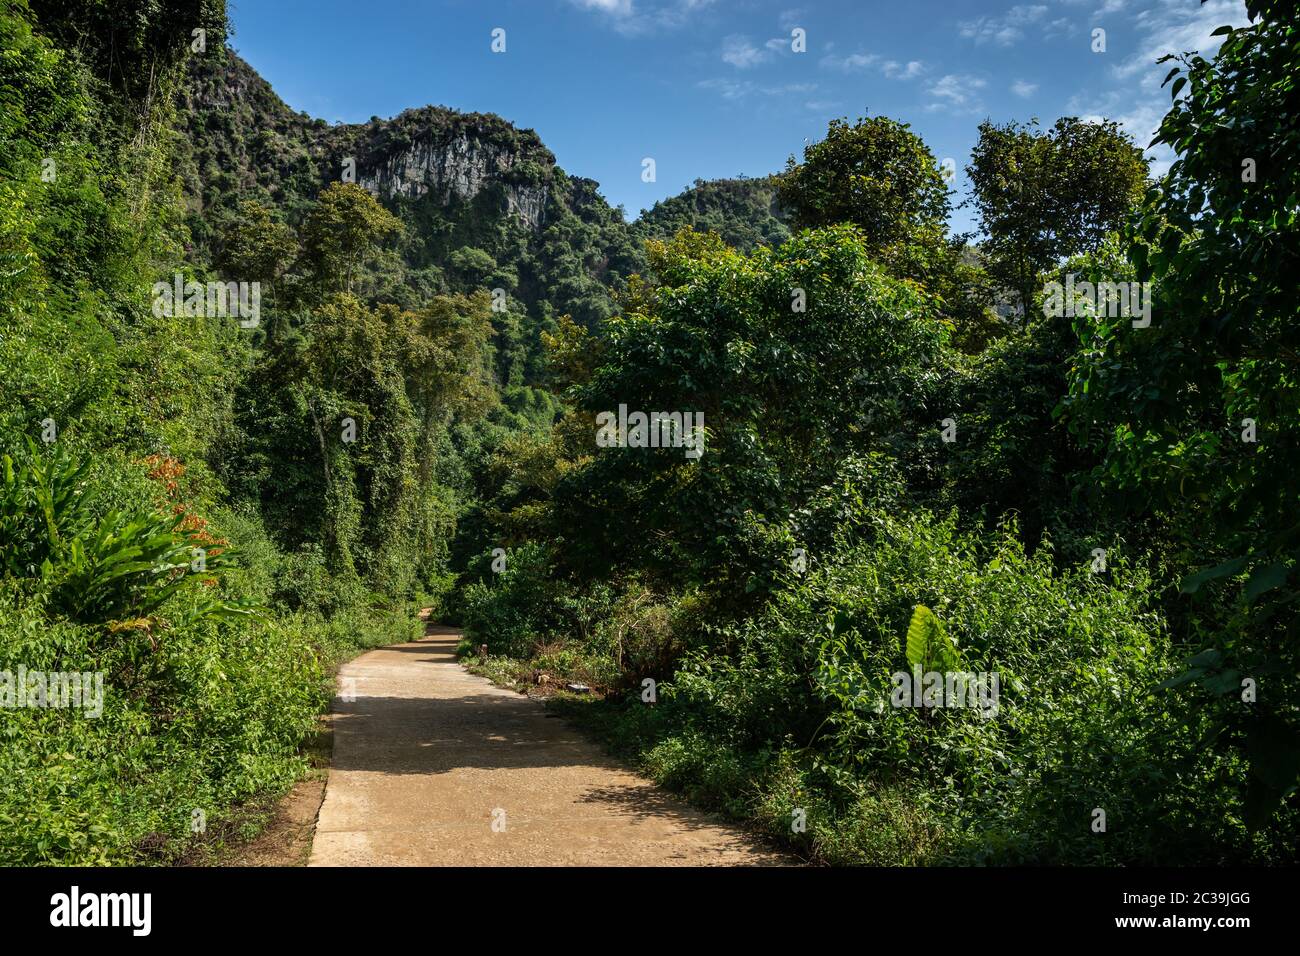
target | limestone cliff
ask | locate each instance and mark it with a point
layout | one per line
(461, 166)
(244, 135)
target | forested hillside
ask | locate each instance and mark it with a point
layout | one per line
(744, 212)
(744, 472)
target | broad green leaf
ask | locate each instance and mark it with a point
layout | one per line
(928, 644)
(1192, 583)
(1265, 579)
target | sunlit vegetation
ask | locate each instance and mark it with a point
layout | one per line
(908, 466)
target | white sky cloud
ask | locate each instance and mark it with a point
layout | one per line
(896, 71)
(860, 62)
(1006, 29)
(619, 8)
(851, 63)
(640, 17)
(956, 92)
(733, 89)
(1171, 26)
(741, 53)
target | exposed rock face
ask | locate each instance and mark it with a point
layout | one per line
(245, 130)
(461, 167)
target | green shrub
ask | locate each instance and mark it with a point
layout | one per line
(197, 716)
(513, 612)
(802, 704)
(99, 566)
(204, 704)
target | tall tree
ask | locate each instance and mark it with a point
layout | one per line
(784, 395)
(879, 176)
(343, 229)
(1197, 414)
(876, 174)
(1045, 196)
(256, 247)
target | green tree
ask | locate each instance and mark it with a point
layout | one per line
(256, 247)
(1045, 196)
(784, 395)
(342, 231)
(876, 174)
(132, 45)
(1196, 415)
(345, 432)
(881, 177)
(471, 266)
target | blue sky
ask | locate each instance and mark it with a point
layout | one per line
(713, 88)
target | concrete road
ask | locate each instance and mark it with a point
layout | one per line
(434, 766)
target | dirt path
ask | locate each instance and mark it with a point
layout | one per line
(430, 761)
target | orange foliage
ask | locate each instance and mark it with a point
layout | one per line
(167, 472)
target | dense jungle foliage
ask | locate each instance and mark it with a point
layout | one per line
(895, 472)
